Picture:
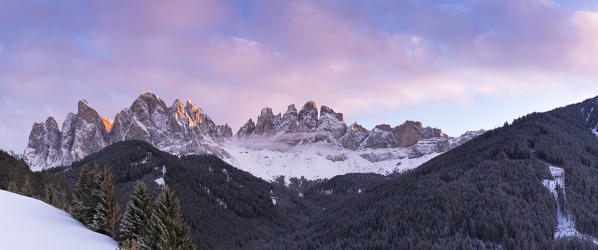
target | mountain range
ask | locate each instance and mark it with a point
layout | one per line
(527, 185)
(299, 143)
(530, 184)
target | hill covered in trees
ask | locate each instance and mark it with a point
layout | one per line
(487, 193)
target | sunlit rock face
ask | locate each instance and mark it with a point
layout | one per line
(178, 129)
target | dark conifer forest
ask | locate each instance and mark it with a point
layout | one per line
(485, 194)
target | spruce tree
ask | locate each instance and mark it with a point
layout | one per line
(50, 194)
(81, 209)
(106, 213)
(13, 187)
(167, 224)
(135, 224)
(27, 189)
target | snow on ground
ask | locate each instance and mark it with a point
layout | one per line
(321, 160)
(565, 221)
(272, 197)
(160, 181)
(28, 223)
(595, 131)
(221, 203)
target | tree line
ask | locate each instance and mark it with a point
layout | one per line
(141, 224)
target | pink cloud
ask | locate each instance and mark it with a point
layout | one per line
(354, 56)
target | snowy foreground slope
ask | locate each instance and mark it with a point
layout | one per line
(28, 223)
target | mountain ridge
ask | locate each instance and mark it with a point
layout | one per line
(183, 128)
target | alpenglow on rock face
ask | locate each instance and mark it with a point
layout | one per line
(178, 129)
(297, 143)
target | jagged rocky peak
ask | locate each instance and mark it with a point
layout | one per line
(355, 135)
(86, 113)
(410, 132)
(380, 137)
(325, 110)
(331, 122)
(44, 142)
(178, 109)
(266, 122)
(147, 112)
(82, 133)
(308, 117)
(196, 114)
(307, 125)
(224, 131)
(180, 129)
(87, 133)
(107, 123)
(290, 120)
(247, 129)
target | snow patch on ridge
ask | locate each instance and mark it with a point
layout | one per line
(566, 222)
(160, 181)
(269, 160)
(273, 198)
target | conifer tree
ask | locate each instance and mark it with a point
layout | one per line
(81, 209)
(106, 213)
(12, 187)
(167, 224)
(56, 196)
(135, 224)
(27, 189)
(49, 194)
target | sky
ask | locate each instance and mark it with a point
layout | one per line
(455, 65)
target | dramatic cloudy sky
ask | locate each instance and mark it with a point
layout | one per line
(456, 65)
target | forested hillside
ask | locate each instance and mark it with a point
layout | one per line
(485, 194)
(224, 207)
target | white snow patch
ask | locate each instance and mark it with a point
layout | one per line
(566, 223)
(323, 160)
(595, 130)
(328, 192)
(300, 195)
(273, 198)
(359, 191)
(221, 203)
(28, 223)
(226, 173)
(160, 181)
(163, 170)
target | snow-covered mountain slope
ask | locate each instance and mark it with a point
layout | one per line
(311, 145)
(297, 143)
(269, 159)
(28, 223)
